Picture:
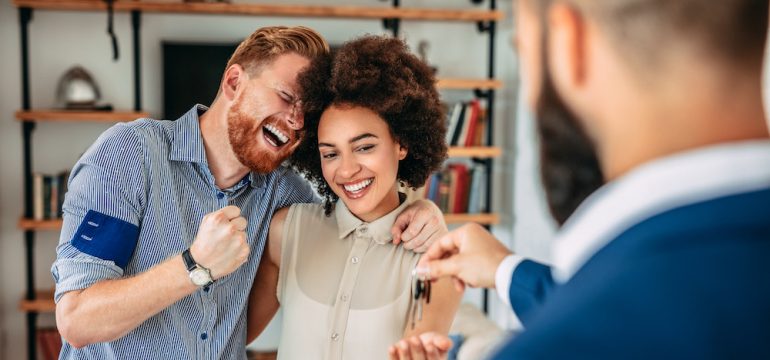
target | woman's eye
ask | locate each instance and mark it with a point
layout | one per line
(365, 148)
(328, 155)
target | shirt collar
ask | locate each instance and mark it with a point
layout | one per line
(378, 229)
(664, 184)
(187, 144)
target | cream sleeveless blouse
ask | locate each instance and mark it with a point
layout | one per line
(343, 286)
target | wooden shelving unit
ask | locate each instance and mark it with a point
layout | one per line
(79, 116)
(351, 12)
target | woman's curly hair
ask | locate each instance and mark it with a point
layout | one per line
(378, 73)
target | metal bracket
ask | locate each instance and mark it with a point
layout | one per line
(484, 26)
(392, 24)
(482, 94)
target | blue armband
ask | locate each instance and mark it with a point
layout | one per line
(106, 237)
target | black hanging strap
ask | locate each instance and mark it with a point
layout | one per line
(110, 31)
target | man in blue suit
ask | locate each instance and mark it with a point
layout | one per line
(656, 162)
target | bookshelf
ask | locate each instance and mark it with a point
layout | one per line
(391, 14)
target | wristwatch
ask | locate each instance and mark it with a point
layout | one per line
(199, 275)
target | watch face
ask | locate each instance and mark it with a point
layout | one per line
(200, 277)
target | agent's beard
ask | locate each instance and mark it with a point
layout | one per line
(243, 130)
(569, 166)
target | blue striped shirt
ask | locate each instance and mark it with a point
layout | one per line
(135, 199)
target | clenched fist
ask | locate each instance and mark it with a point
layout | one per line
(221, 244)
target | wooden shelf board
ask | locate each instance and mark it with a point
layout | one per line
(359, 12)
(483, 219)
(475, 151)
(471, 84)
(43, 303)
(30, 224)
(78, 115)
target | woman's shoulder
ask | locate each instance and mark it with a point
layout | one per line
(309, 213)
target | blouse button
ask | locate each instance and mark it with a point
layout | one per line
(335, 336)
(355, 260)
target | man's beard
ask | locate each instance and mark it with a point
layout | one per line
(569, 166)
(243, 131)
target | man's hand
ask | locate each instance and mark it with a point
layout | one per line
(428, 346)
(419, 226)
(221, 244)
(469, 254)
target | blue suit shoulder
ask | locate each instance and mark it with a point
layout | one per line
(689, 283)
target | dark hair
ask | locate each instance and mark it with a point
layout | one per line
(378, 73)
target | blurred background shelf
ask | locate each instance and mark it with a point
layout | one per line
(352, 12)
(483, 219)
(78, 115)
(475, 151)
(43, 303)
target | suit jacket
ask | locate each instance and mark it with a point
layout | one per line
(692, 282)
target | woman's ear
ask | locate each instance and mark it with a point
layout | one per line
(402, 151)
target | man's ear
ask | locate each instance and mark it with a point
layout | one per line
(566, 46)
(232, 80)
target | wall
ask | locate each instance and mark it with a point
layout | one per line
(59, 40)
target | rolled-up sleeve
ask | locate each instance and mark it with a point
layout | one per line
(102, 212)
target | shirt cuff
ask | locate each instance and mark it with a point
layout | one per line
(504, 274)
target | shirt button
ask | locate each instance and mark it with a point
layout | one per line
(344, 297)
(335, 336)
(355, 259)
(362, 230)
(220, 195)
(204, 336)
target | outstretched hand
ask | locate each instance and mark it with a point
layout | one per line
(419, 226)
(426, 346)
(469, 254)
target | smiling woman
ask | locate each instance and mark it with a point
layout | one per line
(372, 118)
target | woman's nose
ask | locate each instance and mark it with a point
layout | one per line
(349, 167)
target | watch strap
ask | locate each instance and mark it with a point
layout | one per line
(189, 262)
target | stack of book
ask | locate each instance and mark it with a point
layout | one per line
(48, 195)
(466, 124)
(458, 188)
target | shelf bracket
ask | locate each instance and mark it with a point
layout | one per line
(482, 94)
(484, 26)
(392, 24)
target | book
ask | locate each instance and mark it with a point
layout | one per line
(470, 129)
(458, 129)
(453, 117)
(37, 196)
